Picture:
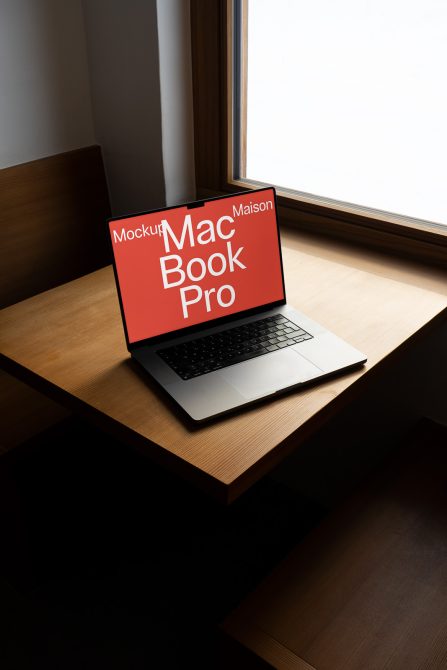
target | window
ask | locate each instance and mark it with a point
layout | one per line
(361, 116)
(272, 108)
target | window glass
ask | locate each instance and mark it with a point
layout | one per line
(347, 101)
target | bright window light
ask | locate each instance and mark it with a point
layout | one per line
(347, 100)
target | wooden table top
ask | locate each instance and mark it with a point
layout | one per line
(69, 342)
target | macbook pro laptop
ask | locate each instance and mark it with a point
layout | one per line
(203, 302)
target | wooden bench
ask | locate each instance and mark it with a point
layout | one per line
(367, 590)
(53, 215)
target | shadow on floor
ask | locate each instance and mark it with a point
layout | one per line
(110, 562)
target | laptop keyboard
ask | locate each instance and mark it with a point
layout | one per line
(212, 352)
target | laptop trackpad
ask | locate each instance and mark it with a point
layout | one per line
(267, 374)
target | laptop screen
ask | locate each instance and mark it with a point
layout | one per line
(187, 265)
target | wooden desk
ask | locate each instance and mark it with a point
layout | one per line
(69, 343)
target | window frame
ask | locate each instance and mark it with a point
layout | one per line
(212, 61)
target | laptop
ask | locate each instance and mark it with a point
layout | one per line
(203, 303)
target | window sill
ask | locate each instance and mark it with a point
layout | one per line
(381, 263)
(422, 251)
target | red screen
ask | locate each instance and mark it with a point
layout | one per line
(180, 267)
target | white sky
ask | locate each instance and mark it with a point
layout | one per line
(348, 100)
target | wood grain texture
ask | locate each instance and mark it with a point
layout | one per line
(208, 49)
(263, 645)
(368, 589)
(236, 165)
(53, 221)
(70, 341)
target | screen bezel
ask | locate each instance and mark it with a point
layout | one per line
(211, 323)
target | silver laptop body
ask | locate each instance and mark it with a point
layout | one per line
(302, 353)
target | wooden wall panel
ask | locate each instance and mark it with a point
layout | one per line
(53, 215)
(208, 49)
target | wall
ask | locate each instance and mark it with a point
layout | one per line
(45, 96)
(80, 72)
(122, 46)
(45, 109)
(174, 39)
(140, 74)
